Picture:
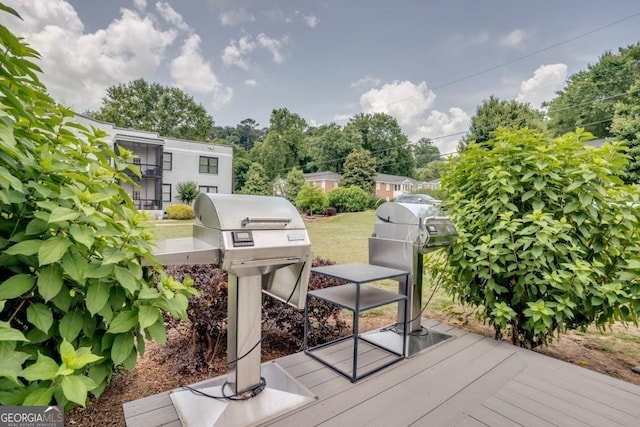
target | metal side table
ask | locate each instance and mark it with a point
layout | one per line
(356, 297)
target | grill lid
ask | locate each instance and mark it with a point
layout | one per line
(229, 212)
(406, 213)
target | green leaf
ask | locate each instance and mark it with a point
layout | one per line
(121, 348)
(61, 214)
(16, 286)
(147, 316)
(83, 360)
(97, 297)
(67, 352)
(529, 194)
(35, 227)
(11, 364)
(49, 282)
(75, 265)
(126, 279)
(70, 325)
(40, 316)
(113, 256)
(82, 234)
(74, 389)
(157, 332)
(571, 206)
(123, 322)
(52, 250)
(26, 247)
(39, 397)
(9, 334)
(45, 368)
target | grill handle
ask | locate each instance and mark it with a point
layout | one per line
(271, 220)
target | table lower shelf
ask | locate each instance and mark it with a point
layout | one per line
(340, 355)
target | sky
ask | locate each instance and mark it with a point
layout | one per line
(427, 63)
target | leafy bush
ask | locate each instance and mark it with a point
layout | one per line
(349, 199)
(187, 191)
(208, 316)
(74, 299)
(548, 234)
(311, 198)
(180, 211)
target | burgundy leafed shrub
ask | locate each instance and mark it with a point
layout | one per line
(284, 325)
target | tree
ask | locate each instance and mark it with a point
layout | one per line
(292, 184)
(75, 300)
(152, 107)
(548, 235)
(383, 138)
(425, 152)
(257, 181)
(330, 145)
(187, 191)
(589, 99)
(284, 145)
(349, 199)
(241, 165)
(495, 113)
(626, 127)
(311, 198)
(248, 133)
(431, 171)
(359, 171)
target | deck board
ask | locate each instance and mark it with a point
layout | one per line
(468, 380)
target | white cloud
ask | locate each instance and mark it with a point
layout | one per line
(236, 17)
(438, 125)
(251, 82)
(342, 117)
(140, 5)
(403, 100)
(237, 52)
(546, 80)
(192, 73)
(310, 20)
(514, 38)
(273, 45)
(171, 16)
(366, 81)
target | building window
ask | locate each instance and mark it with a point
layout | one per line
(136, 195)
(166, 192)
(167, 161)
(136, 161)
(208, 165)
(208, 189)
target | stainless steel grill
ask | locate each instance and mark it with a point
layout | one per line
(263, 244)
(403, 233)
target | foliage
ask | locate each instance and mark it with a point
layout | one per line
(349, 199)
(383, 138)
(257, 182)
(626, 127)
(284, 145)
(180, 211)
(425, 152)
(153, 107)
(74, 299)
(208, 315)
(311, 197)
(590, 96)
(292, 184)
(495, 113)
(248, 133)
(431, 170)
(359, 171)
(548, 235)
(330, 145)
(241, 165)
(187, 191)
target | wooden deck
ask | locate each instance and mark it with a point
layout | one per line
(468, 380)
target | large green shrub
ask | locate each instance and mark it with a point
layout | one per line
(74, 299)
(311, 198)
(349, 199)
(548, 234)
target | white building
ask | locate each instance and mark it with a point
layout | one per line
(164, 162)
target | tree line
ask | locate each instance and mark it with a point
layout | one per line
(604, 99)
